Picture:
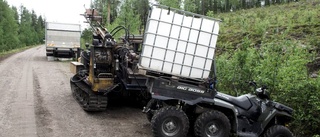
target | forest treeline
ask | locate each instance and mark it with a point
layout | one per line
(133, 13)
(19, 27)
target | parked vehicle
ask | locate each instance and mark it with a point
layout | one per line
(187, 96)
(221, 116)
(107, 66)
(62, 40)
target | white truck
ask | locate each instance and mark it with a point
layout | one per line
(62, 40)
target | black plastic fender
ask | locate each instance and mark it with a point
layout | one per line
(273, 113)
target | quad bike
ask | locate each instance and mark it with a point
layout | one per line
(178, 104)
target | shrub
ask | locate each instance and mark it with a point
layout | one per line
(282, 67)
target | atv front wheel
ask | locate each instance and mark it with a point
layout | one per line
(212, 124)
(170, 122)
(278, 131)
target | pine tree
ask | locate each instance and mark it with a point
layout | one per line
(190, 5)
(141, 7)
(27, 33)
(40, 29)
(128, 18)
(86, 35)
(8, 28)
(16, 14)
(108, 9)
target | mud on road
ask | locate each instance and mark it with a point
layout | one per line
(36, 101)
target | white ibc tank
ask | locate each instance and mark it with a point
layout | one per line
(179, 43)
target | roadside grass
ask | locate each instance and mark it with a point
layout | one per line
(6, 54)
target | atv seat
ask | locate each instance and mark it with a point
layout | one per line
(241, 101)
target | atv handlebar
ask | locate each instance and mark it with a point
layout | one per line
(260, 92)
(252, 83)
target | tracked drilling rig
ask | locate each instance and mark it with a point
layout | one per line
(108, 65)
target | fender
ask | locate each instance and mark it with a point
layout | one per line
(273, 114)
(224, 104)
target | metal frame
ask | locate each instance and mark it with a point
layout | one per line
(190, 28)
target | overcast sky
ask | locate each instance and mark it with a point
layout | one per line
(63, 11)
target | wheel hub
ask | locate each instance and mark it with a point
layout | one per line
(170, 127)
(212, 129)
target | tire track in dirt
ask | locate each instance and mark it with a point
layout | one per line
(17, 90)
(43, 115)
(36, 101)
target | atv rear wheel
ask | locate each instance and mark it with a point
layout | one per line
(212, 124)
(149, 116)
(170, 122)
(152, 105)
(278, 131)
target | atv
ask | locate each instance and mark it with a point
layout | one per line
(179, 103)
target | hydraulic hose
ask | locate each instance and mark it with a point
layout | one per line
(73, 79)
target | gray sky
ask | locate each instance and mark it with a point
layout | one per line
(63, 11)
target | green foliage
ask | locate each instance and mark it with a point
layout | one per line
(171, 3)
(141, 7)
(16, 34)
(126, 18)
(28, 25)
(297, 22)
(273, 47)
(40, 26)
(86, 37)
(190, 5)
(108, 9)
(8, 28)
(281, 66)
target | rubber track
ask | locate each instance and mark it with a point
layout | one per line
(87, 99)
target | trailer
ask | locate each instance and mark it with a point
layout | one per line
(62, 40)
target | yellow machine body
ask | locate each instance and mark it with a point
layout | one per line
(98, 83)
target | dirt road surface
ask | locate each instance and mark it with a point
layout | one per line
(36, 101)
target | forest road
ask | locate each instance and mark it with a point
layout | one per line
(36, 101)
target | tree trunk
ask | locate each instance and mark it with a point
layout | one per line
(210, 5)
(203, 8)
(215, 7)
(109, 11)
(268, 2)
(244, 4)
(227, 6)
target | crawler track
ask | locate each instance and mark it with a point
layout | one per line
(87, 99)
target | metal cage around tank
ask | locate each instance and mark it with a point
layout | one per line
(179, 43)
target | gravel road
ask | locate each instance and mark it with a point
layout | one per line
(36, 101)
